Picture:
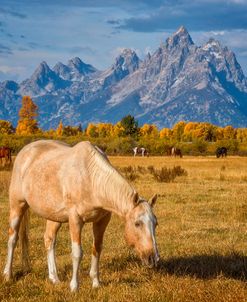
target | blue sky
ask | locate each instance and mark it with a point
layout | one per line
(96, 31)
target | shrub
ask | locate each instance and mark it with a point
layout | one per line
(141, 169)
(150, 169)
(168, 175)
(129, 172)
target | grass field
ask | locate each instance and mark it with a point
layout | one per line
(202, 239)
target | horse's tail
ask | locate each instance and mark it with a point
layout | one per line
(10, 156)
(24, 242)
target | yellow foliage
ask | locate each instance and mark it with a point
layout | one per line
(92, 130)
(59, 130)
(165, 133)
(118, 129)
(27, 123)
(229, 132)
(149, 131)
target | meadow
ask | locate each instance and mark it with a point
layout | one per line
(202, 239)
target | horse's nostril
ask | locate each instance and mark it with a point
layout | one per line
(151, 261)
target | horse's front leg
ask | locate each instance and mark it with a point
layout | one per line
(50, 242)
(98, 234)
(75, 226)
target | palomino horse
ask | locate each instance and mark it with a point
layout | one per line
(75, 185)
(5, 152)
(141, 151)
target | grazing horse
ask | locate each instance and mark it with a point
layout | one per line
(221, 152)
(141, 151)
(5, 152)
(75, 185)
(176, 152)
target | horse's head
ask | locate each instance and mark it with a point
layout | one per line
(140, 230)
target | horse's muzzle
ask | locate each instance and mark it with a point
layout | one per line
(151, 261)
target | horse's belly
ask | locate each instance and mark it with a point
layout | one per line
(59, 214)
(93, 215)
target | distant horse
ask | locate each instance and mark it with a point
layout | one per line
(176, 152)
(221, 152)
(5, 153)
(75, 185)
(141, 151)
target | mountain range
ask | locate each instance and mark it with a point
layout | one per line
(179, 81)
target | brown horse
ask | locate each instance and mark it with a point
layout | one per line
(5, 153)
(75, 185)
(176, 152)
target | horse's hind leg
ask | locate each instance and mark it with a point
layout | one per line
(17, 210)
(98, 234)
(50, 242)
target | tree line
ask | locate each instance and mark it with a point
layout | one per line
(128, 126)
(121, 137)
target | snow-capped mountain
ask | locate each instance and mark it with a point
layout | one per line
(179, 81)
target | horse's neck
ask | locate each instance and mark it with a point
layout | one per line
(113, 191)
(119, 195)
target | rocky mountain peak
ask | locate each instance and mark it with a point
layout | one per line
(214, 46)
(77, 65)
(127, 61)
(180, 38)
(42, 70)
(178, 81)
(62, 71)
(9, 85)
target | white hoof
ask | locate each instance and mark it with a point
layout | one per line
(96, 284)
(74, 286)
(7, 276)
(54, 280)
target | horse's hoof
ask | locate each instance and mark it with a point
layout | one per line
(6, 277)
(96, 284)
(55, 281)
(73, 287)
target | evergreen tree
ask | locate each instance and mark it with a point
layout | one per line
(130, 126)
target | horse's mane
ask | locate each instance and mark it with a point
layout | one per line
(108, 182)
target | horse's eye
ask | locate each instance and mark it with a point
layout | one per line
(138, 224)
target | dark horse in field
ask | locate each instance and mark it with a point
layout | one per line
(221, 152)
(5, 152)
(176, 152)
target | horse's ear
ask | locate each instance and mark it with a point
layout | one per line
(152, 200)
(136, 198)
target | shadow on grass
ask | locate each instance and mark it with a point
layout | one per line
(197, 266)
(206, 266)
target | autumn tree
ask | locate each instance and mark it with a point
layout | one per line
(59, 130)
(178, 130)
(229, 132)
(149, 130)
(6, 127)
(166, 133)
(105, 129)
(92, 130)
(117, 130)
(28, 113)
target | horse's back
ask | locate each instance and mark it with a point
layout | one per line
(50, 155)
(31, 155)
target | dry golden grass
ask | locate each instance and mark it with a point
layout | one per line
(201, 235)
